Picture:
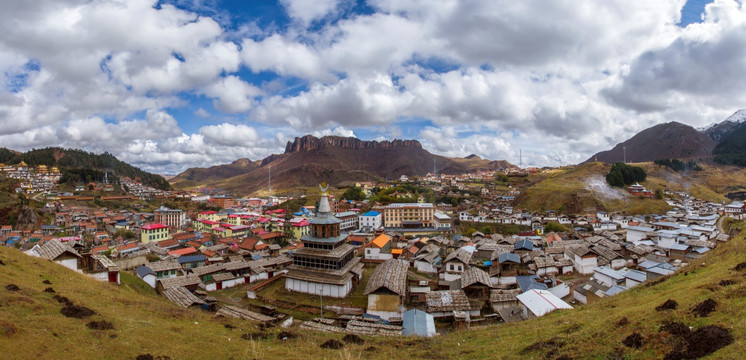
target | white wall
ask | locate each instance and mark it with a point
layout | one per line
(71, 263)
(584, 266)
(307, 287)
(426, 267)
(150, 280)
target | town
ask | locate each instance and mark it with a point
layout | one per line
(408, 265)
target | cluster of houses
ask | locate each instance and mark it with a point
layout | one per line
(32, 180)
(420, 271)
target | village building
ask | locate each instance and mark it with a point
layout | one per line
(326, 264)
(154, 232)
(175, 218)
(536, 303)
(408, 215)
(58, 252)
(349, 220)
(379, 248)
(370, 221)
(386, 289)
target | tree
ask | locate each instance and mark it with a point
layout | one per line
(354, 193)
(486, 230)
(623, 174)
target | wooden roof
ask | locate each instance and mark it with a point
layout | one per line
(188, 280)
(236, 312)
(475, 275)
(182, 297)
(391, 275)
(447, 300)
(54, 249)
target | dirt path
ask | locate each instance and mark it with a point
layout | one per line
(418, 276)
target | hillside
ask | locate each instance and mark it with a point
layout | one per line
(69, 159)
(32, 326)
(213, 173)
(663, 141)
(309, 160)
(732, 147)
(584, 189)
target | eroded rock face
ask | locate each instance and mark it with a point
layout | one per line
(310, 143)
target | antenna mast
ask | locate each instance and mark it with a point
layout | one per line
(520, 163)
(435, 171)
(624, 148)
(270, 178)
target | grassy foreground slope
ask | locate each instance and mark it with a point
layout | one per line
(31, 325)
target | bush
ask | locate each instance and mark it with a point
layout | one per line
(554, 227)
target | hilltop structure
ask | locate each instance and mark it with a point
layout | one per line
(326, 265)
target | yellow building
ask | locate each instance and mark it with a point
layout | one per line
(209, 215)
(300, 229)
(154, 233)
(408, 215)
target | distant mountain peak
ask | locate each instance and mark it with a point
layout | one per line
(311, 143)
(473, 156)
(717, 131)
(738, 116)
(671, 140)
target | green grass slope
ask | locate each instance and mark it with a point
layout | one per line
(582, 189)
(31, 325)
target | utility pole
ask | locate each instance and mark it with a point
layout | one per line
(270, 178)
(435, 172)
(321, 304)
(624, 148)
(520, 161)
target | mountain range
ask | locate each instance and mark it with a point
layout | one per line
(675, 140)
(309, 160)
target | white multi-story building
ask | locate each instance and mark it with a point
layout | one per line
(170, 217)
(349, 220)
(371, 220)
(441, 221)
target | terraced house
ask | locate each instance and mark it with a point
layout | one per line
(154, 232)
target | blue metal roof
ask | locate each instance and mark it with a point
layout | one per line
(191, 258)
(144, 270)
(529, 282)
(509, 257)
(371, 213)
(524, 244)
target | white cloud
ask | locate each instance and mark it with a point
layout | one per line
(232, 95)
(337, 131)
(560, 80)
(308, 11)
(202, 113)
(229, 134)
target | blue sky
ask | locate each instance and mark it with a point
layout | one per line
(174, 84)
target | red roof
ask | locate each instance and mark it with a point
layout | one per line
(208, 212)
(184, 251)
(154, 227)
(127, 247)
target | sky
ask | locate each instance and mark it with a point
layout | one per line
(168, 85)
